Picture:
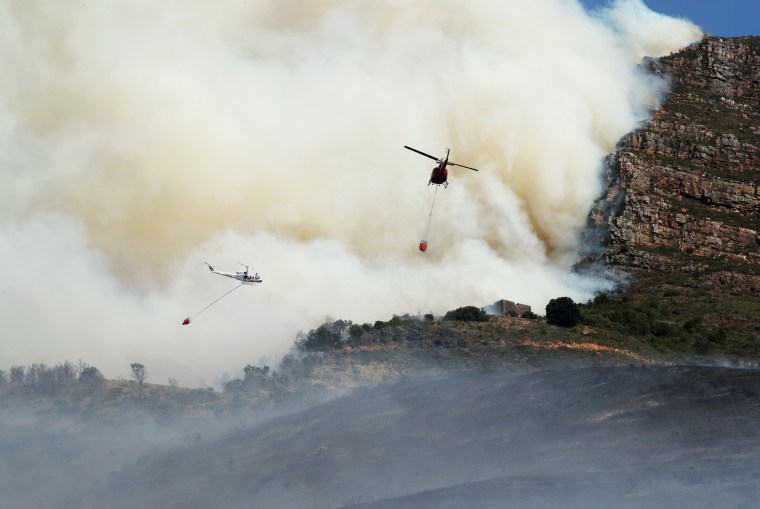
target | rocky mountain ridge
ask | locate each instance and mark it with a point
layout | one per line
(682, 190)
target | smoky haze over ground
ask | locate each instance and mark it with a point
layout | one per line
(139, 139)
(601, 437)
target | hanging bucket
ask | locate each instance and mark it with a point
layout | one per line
(186, 321)
(423, 245)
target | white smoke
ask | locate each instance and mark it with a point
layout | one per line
(138, 139)
(645, 32)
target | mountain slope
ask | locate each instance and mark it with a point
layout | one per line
(682, 192)
(639, 436)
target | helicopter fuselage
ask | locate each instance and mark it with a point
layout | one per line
(439, 175)
(243, 277)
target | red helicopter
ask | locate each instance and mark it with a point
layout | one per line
(440, 173)
(438, 177)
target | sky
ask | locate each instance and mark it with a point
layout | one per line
(140, 139)
(725, 18)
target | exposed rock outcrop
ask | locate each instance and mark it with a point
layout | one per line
(682, 191)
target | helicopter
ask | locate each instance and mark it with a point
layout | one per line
(440, 173)
(438, 177)
(244, 277)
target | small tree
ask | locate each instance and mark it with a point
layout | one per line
(65, 374)
(45, 383)
(563, 312)
(355, 331)
(17, 375)
(255, 372)
(324, 337)
(173, 383)
(91, 379)
(138, 372)
(30, 374)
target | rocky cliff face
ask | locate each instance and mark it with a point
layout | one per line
(682, 191)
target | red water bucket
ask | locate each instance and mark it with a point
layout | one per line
(423, 246)
(187, 321)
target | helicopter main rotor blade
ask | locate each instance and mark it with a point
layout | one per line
(463, 166)
(423, 154)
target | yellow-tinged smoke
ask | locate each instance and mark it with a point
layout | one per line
(139, 138)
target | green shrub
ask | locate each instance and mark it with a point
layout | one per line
(718, 336)
(692, 325)
(601, 299)
(701, 345)
(563, 312)
(663, 329)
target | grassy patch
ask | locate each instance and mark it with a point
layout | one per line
(715, 114)
(676, 313)
(699, 210)
(693, 166)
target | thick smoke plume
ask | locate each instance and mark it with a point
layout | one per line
(140, 138)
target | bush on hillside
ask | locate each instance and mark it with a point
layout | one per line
(325, 337)
(563, 312)
(467, 314)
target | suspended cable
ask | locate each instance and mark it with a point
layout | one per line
(423, 243)
(188, 320)
(430, 216)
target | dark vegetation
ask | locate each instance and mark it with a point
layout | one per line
(467, 314)
(81, 389)
(51, 380)
(563, 312)
(678, 314)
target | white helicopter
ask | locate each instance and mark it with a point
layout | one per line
(244, 277)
